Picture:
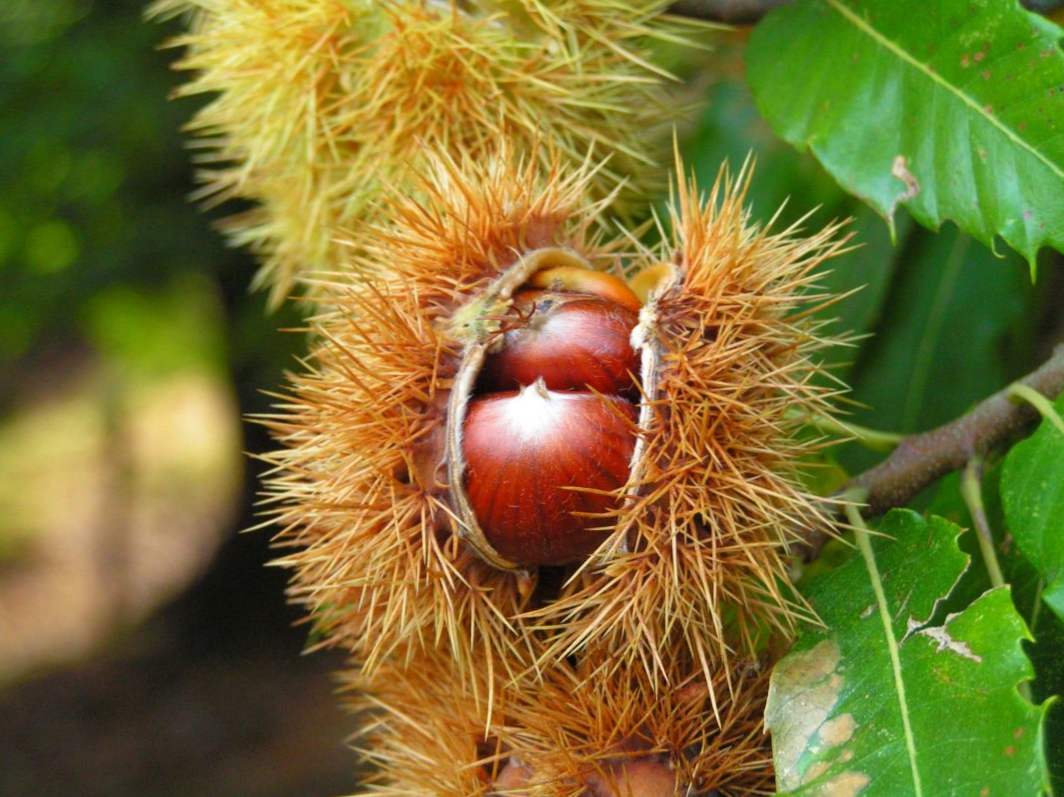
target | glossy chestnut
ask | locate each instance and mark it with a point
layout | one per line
(540, 469)
(572, 341)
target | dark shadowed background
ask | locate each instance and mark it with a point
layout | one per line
(144, 647)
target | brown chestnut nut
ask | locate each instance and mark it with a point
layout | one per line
(646, 777)
(572, 341)
(526, 450)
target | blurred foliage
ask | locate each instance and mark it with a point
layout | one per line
(126, 324)
(177, 326)
(98, 242)
(1032, 492)
(126, 328)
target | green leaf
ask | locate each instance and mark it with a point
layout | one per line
(954, 109)
(1032, 492)
(887, 700)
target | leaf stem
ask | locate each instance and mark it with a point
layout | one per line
(735, 12)
(972, 492)
(874, 439)
(1045, 407)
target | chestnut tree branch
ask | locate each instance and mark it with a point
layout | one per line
(735, 12)
(747, 12)
(921, 459)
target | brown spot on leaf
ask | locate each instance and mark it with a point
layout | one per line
(900, 169)
(804, 689)
(837, 730)
(848, 784)
(816, 770)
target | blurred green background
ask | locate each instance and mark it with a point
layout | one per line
(144, 647)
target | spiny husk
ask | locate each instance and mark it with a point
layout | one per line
(698, 558)
(425, 729)
(426, 734)
(319, 104)
(359, 489)
(367, 494)
(568, 735)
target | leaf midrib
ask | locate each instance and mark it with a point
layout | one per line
(869, 557)
(903, 55)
